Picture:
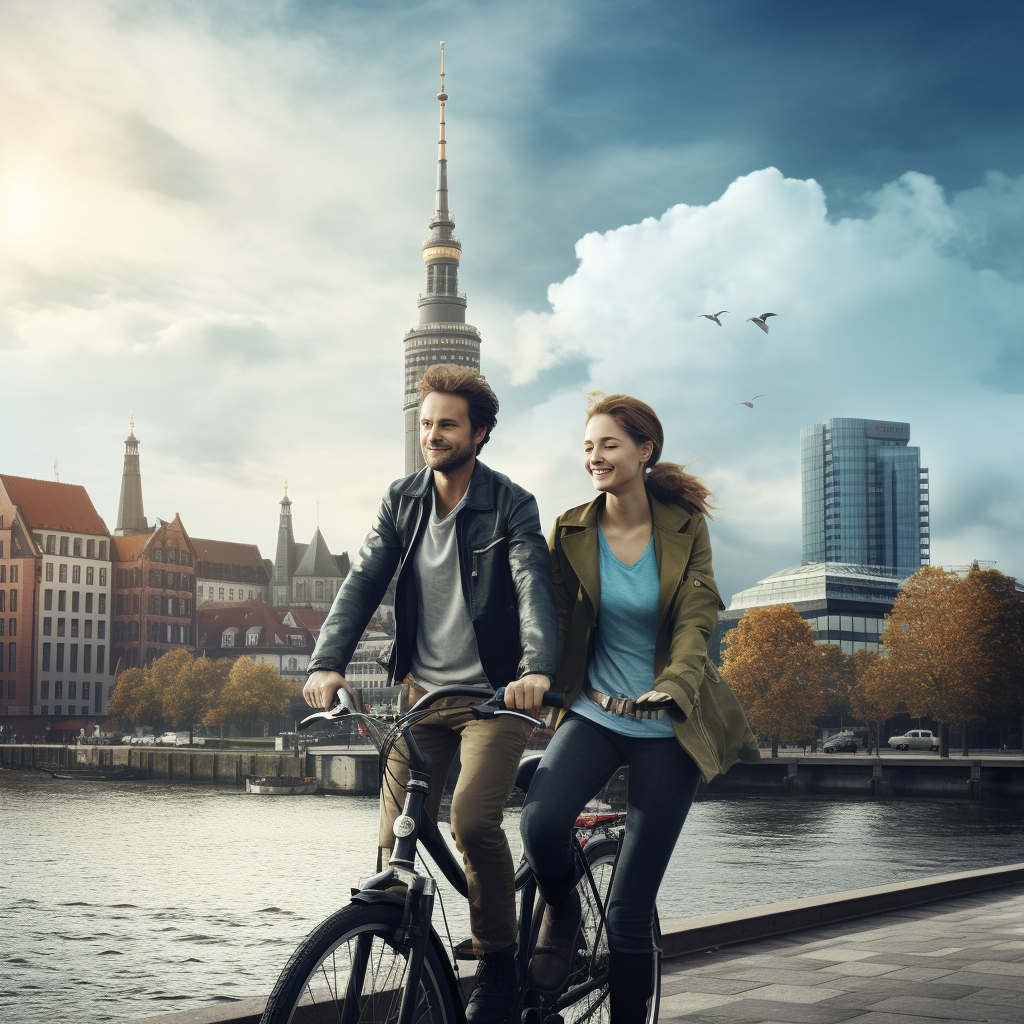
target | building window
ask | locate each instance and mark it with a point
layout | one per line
(58, 691)
(14, 572)
(3, 600)
(86, 661)
(99, 668)
(74, 627)
(62, 600)
(44, 690)
(103, 555)
(12, 689)
(85, 694)
(90, 575)
(186, 634)
(62, 573)
(49, 572)
(72, 691)
(227, 640)
(73, 666)
(77, 547)
(44, 709)
(3, 568)
(12, 657)
(103, 576)
(90, 549)
(103, 604)
(49, 544)
(88, 628)
(14, 600)
(175, 634)
(221, 593)
(320, 589)
(46, 658)
(74, 601)
(88, 604)
(231, 594)
(135, 604)
(58, 709)
(61, 627)
(252, 639)
(250, 595)
(12, 627)
(47, 625)
(163, 633)
(293, 664)
(133, 631)
(101, 629)
(157, 555)
(200, 593)
(63, 545)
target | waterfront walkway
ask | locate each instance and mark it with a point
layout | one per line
(956, 960)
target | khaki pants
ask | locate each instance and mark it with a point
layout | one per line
(491, 751)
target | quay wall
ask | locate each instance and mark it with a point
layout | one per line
(353, 770)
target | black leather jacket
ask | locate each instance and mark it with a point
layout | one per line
(506, 579)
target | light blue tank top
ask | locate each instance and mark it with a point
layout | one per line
(622, 662)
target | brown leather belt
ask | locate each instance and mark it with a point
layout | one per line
(624, 707)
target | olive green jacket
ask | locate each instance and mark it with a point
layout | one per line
(707, 718)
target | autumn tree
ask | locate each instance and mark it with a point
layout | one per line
(135, 699)
(936, 642)
(873, 697)
(191, 691)
(254, 691)
(838, 679)
(774, 667)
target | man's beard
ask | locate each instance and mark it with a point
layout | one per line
(448, 460)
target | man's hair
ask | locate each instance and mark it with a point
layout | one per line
(451, 379)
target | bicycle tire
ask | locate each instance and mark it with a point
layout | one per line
(354, 949)
(590, 963)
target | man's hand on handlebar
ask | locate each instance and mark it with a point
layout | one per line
(527, 693)
(321, 688)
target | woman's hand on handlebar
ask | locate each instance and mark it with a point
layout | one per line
(526, 694)
(321, 688)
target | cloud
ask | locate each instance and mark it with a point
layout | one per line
(897, 315)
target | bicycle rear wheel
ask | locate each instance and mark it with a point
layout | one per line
(589, 972)
(348, 970)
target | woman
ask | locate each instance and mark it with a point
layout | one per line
(636, 601)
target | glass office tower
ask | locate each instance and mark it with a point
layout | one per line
(865, 495)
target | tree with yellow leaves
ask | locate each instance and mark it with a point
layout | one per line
(254, 691)
(191, 689)
(775, 668)
(936, 641)
(135, 698)
(838, 680)
(873, 697)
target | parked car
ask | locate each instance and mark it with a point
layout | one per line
(146, 741)
(915, 739)
(174, 739)
(841, 743)
(126, 740)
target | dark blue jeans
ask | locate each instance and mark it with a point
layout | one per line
(578, 763)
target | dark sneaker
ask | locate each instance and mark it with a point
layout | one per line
(556, 943)
(495, 989)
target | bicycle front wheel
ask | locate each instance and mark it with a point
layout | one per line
(349, 970)
(589, 972)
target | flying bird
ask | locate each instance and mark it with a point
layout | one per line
(714, 316)
(750, 404)
(760, 320)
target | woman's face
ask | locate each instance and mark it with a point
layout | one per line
(611, 457)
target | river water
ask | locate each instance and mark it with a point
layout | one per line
(127, 900)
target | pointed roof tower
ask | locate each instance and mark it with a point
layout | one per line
(318, 561)
(284, 561)
(442, 334)
(131, 519)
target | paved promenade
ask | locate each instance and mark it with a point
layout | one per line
(956, 960)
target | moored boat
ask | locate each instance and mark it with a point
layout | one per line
(280, 785)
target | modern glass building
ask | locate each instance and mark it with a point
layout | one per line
(846, 605)
(864, 495)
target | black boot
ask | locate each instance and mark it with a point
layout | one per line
(630, 986)
(495, 988)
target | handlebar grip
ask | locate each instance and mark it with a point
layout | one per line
(550, 699)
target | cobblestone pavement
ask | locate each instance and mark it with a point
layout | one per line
(956, 960)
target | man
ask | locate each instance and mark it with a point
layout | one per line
(474, 605)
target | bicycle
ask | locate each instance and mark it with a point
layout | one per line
(379, 960)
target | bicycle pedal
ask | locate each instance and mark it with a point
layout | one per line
(464, 950)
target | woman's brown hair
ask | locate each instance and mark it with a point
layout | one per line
(665, 480)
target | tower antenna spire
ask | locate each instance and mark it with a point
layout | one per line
(442, 96)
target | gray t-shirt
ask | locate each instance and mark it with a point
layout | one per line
(446, 652)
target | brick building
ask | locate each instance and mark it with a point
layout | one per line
(55, 559)
(153, 595)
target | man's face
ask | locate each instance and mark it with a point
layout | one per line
(447, 437)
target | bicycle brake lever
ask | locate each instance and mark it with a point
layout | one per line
(343, 706)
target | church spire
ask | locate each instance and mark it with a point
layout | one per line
(284, 562)
(131, 518)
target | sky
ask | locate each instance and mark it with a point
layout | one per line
(211, 215)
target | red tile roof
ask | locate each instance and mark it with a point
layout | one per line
(129, 548)
(228, 552)
(48, 505)
(243, 615)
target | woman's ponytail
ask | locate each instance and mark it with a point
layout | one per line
(666, 481)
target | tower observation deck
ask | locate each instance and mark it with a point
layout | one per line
(441, 334)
